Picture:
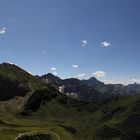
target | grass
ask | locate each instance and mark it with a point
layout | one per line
(14, 73)
(88, 125)
(70, 119)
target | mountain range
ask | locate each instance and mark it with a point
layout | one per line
(33, 108)
(91, 89)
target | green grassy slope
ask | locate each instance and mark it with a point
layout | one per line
(45, 111)
(117, 119)
(15, 73)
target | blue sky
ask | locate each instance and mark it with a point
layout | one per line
(73, 38)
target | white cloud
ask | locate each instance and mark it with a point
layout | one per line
(3, 30)
(55, 73)
(105, 44)
(75, 66)
(84, 43)
(99, 74)
(53, 69)
(110, 82)
(132, 81)
(124, 82)
(81, 75)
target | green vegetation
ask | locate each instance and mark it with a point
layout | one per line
(44, 113)
(14, 73)
(39, 135)
(117, 119)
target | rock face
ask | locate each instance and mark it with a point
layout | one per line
(92, 81)
(73, 85)
(88, 89)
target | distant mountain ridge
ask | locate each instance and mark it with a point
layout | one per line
(73, 85)
(92, 81)
(31, 108)
(104, 90)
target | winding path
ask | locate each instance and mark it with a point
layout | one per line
(41, 132)
(54, 134)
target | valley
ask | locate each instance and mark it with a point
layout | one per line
(42, 112)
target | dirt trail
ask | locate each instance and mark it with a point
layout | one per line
(41, 132)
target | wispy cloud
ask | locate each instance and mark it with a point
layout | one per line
(81, 75)
(53, 69)
(105, 44)
(132, 81)
(55, 73)
(84, 43)
(3, 30)
(124, 82)
(99, 74)
(110, 82)
(75, 66)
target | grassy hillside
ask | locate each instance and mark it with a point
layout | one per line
(117, 119)
(44, 113)
(15, 73)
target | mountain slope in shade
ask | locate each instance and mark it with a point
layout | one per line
(73, 86)
(92, 85)
(92, 81)
(44, 113)
(15, 73)
(135, 88)
(10, 89)
(22, 89)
